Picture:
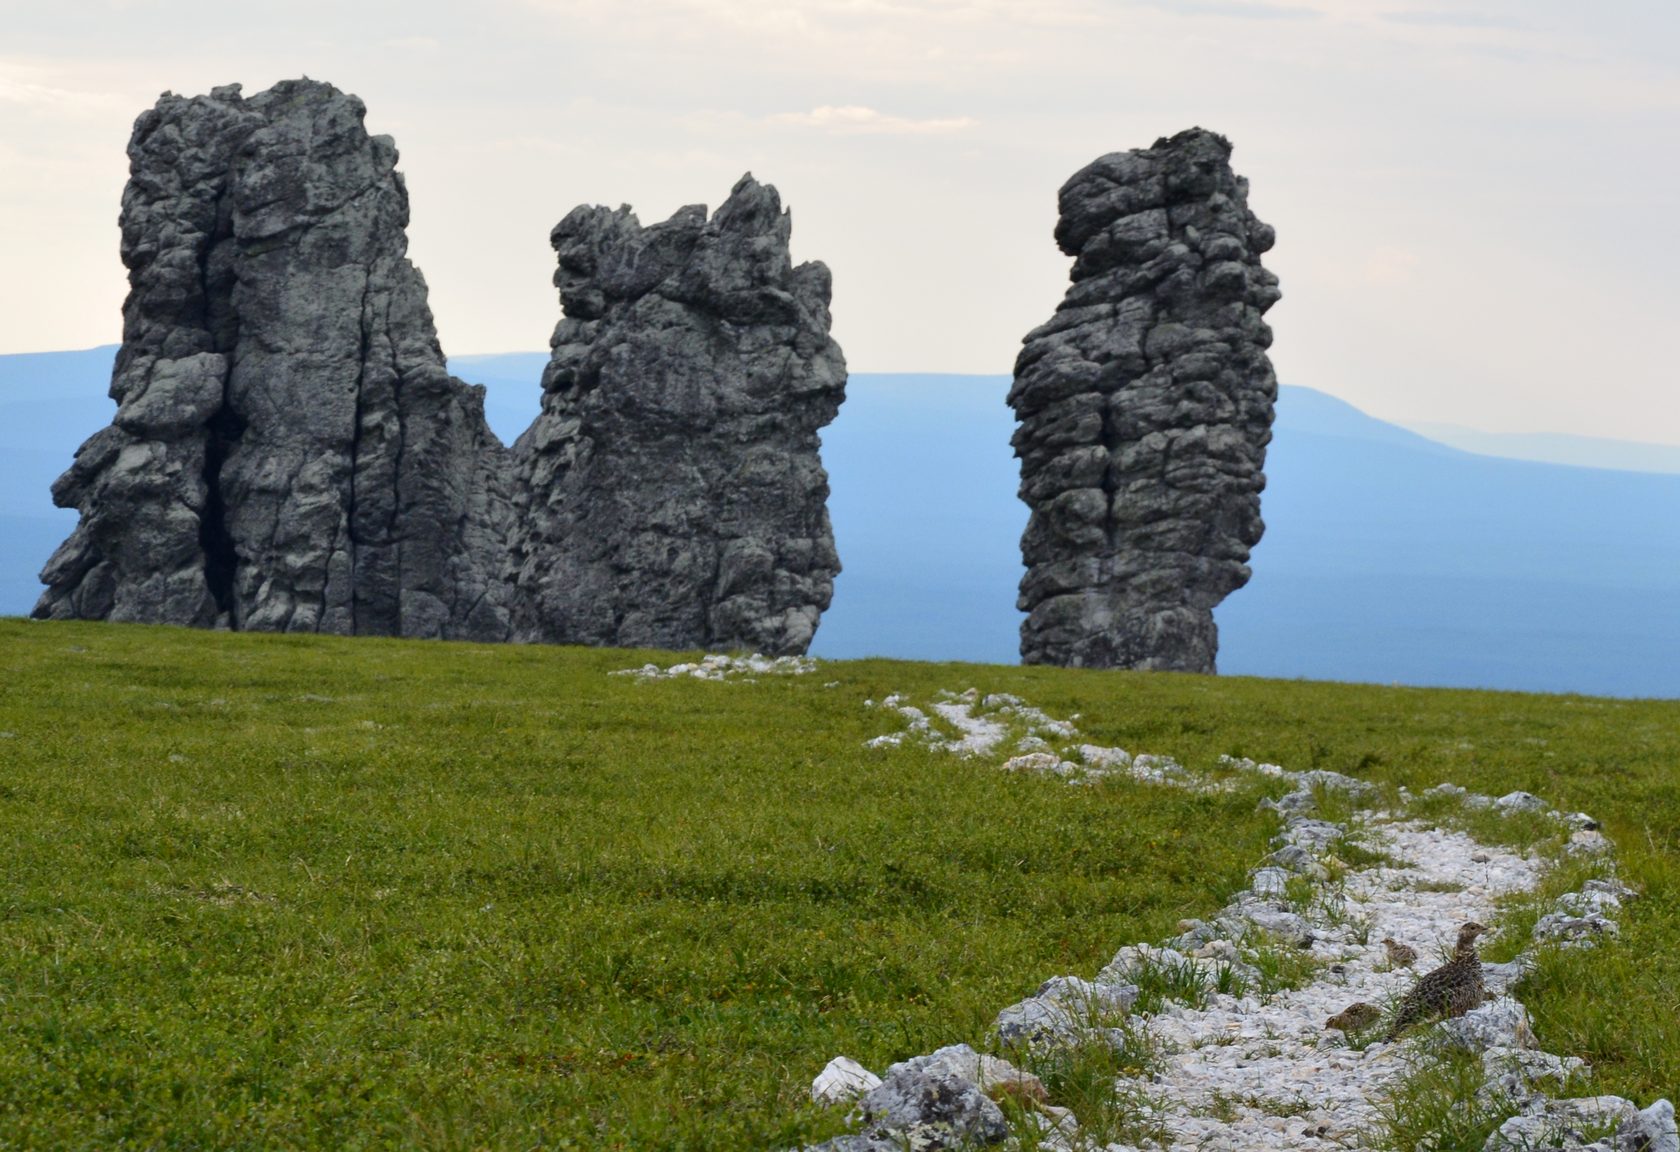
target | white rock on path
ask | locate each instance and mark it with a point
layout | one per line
(1653, 1130)
(1503, 1023)
(843, 1079)
(1561, 1124)
(1276, 1056)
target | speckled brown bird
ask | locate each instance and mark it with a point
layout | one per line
(1355, 1016)
(1399, 955)
(1450, 990)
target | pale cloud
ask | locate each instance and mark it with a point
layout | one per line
(1451, 19)
(1235, 9)
(1475, 209)
(23, 85)
(857, 120)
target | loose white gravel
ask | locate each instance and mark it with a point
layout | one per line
(1284, 1078)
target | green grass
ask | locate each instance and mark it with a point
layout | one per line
(303, 892)
(1433, 1106)
(1082, 1077)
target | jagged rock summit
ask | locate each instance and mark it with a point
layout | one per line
(671, 491)
(289, 452)
(1145, 408)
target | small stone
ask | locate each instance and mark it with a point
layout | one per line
(911, 1099)
(1589, 844)
(841, 1080)
(981, 1069)
(1269, 882)
(1502, 1023)
(1033, 762)
(1574, 931)
(1652, 1130)
(1521, 802)
(1516, 1074)
(1611, 887)
(1218, 950)
(1560, 1124)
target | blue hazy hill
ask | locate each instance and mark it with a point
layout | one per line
(1388, 557)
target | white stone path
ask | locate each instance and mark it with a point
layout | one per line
(1250, 1072)
(1263, 1073)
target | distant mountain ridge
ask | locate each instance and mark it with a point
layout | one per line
(1558, 448)
(1388, 556)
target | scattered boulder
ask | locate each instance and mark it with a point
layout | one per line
(1521, 802)
(933, 1111)
(981, 1069)
(1570, 931)
(1145, 408)
(1516, 1075)
(1065, 1008)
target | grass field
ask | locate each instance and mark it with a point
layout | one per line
(306, 892)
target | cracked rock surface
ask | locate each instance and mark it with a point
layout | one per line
(289, 452)
(671, 493)
(1145, 408)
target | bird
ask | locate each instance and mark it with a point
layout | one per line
(1399, 955)
(1355, 1016)
(1450, 990)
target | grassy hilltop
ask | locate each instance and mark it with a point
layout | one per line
(277, 891)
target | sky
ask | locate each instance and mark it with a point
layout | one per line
(1477, 202)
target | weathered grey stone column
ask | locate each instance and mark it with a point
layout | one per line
(1145, 408)
(288, 452)
(671, 494)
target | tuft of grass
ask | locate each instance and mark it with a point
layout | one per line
(1170, 979)
(1300, 892)
(1353, 850)
(1434, 1106)
(1100, 1079)
(1542, 832)
(1282, 966)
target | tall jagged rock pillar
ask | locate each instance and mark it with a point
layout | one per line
(288, 452)
(671, 493)
(1145, 408)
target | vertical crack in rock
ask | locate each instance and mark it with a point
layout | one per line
(277, 351)
(1145, 408)
(671, 493)
(289, 452)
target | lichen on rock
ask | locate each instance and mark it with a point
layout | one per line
(1145, 408)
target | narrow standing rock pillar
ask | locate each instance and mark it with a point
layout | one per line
(1145, 408)
(671, 493)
